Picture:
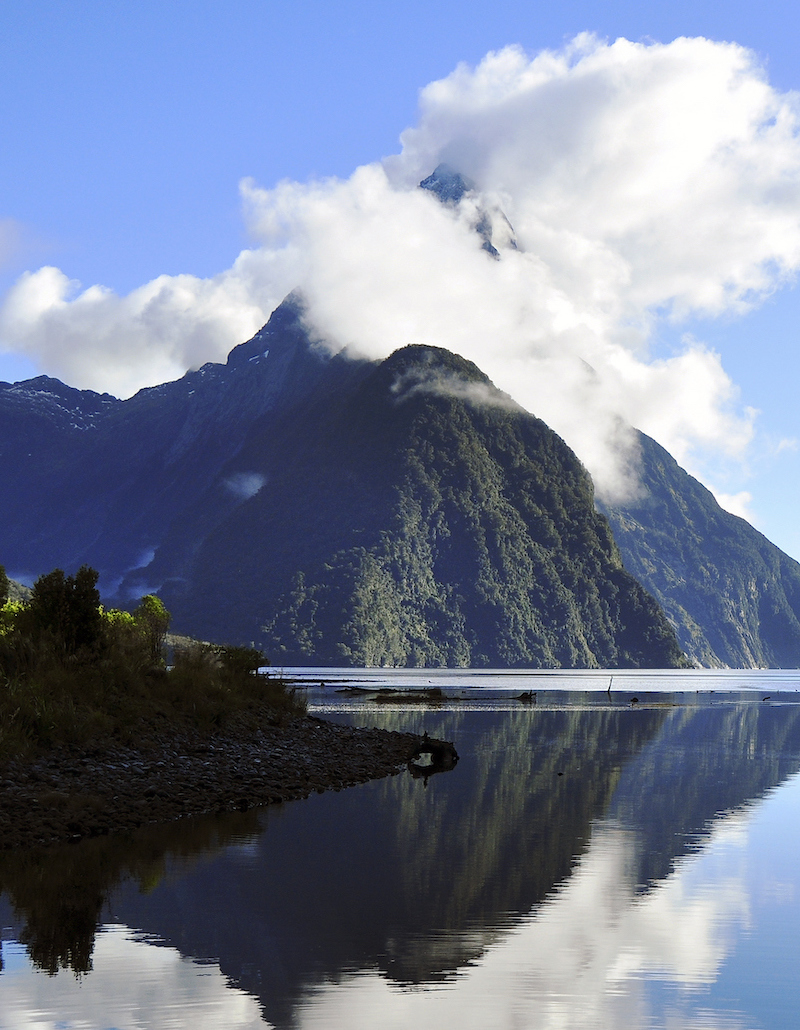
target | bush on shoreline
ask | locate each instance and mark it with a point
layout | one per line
(73, 672)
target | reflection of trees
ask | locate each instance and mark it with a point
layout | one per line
(705, 761)
(506, 827)
(59, 894)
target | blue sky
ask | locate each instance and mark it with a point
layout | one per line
(125, 131)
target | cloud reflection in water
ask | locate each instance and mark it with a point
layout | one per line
(134, 984)
(588, 957)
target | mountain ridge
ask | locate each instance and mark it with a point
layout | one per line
(333, 510)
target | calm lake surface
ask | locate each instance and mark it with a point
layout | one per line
(593, 861)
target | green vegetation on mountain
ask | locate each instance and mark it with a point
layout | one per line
(421, 518)
(73, 672)
(733, 597)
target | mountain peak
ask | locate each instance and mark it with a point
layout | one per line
(448, 184)
(62, 406)
(451, 187)
(434, 359)
(285, 324)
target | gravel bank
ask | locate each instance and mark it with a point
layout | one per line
(76, 792)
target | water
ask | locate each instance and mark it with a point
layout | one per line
(591, 862)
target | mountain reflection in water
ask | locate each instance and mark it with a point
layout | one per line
(541, 882)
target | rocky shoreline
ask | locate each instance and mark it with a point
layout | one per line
(75, 792)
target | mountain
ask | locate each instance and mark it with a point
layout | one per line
(491, 224)
(332, 511)
(89, 478)
(405, 512)
(733, 597)
(18, 591)
(419, 517)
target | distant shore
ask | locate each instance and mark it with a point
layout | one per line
(74, 792)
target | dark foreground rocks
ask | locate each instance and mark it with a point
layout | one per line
(76, 792)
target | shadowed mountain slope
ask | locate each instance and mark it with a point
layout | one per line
(733, 596)
(403, 512)
(89, 478)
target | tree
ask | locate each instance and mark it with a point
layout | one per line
(3, 586)
(152, 620)
(67, 610)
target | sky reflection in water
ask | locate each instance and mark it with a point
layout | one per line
(654, 883)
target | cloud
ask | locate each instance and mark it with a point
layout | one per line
(737, 504)
(644, 183)
(244, 485)
(95, 339)
(450, 385)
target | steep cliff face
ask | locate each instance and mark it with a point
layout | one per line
(733, 596)
(419, 517)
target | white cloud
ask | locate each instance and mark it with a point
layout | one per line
(245, 485)
(737, 504)
(95, 339)
(421, 381)
(678, 161)
(644, 182)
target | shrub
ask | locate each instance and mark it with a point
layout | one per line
(73, 671)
